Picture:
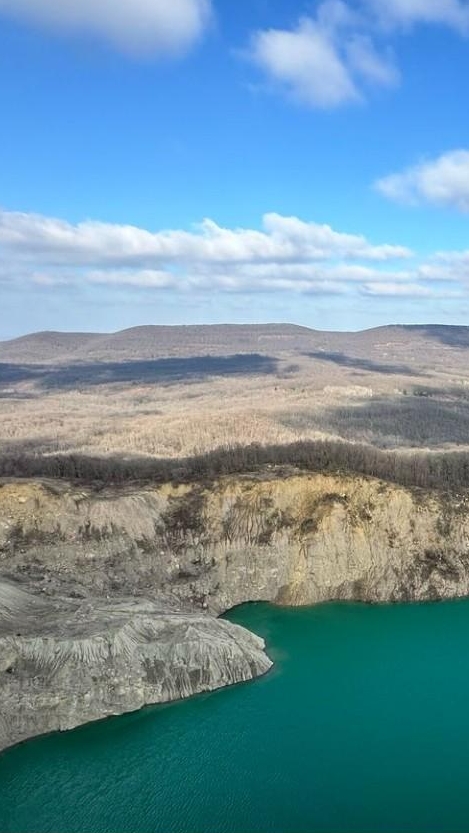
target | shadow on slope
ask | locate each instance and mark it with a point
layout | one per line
(454, 336)
(163, 371)
(367, 365)
(407, 421)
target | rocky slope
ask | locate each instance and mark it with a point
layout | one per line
(121, 580)
(63, 663)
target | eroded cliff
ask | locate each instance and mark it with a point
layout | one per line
(121, 570)
(293, 539)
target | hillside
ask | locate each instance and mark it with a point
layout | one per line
(177, 391)
(156, 341)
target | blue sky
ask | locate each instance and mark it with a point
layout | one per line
(201, 162)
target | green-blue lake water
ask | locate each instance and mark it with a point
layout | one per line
(362, 726)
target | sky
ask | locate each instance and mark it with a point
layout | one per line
(210, 161)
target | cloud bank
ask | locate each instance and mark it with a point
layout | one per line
(149, 27)
(284, 239)
(287, 255)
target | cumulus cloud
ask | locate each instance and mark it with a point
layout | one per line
(323, 61)
(443, 181)
(453, 13)
(156, 27)
(306, 63)
(286, 255)
(334, 57)
(284, 239)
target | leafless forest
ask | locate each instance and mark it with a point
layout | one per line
(157, 401)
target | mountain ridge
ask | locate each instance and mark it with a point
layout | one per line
(157, 341)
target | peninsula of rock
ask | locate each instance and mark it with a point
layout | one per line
(109, 597)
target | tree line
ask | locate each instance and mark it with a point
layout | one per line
(435, 470)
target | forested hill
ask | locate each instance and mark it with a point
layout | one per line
(154, 341)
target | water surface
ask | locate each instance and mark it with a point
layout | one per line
(362, 726)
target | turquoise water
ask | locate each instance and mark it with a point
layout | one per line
(362, 726)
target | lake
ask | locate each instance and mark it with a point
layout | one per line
(363, 725)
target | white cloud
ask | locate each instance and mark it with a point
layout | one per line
(331, 59)
(335, 15)
(455, 258)
(142, 278)
(156, 27)
(320, 241)
(443, 181)
(444, 272)
(326, 60)
(410, 290)
(296, 273)
(364, 59)
(318, 282)
(284, 239)
(453, 13)
(288, 255)
(448, 266)
(306, 63)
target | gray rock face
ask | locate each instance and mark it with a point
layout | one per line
(296, 539)
(63, 663)
(118, 585)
